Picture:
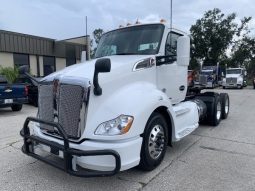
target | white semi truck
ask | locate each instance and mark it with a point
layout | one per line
(235, 78)
(121, 109)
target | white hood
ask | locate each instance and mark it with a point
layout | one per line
(119, 64)
(233, 75)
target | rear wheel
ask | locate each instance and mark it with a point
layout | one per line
(213, 104)
(155, 141)
(224, 105)
(216, 111)
(16, 107)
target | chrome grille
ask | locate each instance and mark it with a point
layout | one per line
(62, 103)
(203, 79)
(231, 80)
(45, 105)
(70, 104)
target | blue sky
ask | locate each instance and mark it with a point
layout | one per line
(61, 19)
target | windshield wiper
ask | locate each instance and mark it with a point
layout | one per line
(126, 53)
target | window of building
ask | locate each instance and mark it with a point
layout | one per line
(49, 65)
(70, 61)
(171, 44)
(20, 60)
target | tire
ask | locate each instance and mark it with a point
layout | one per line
(225, 103)
(213, 104)
(223, 87)
(156, 128)
(216, 111)
(16, 107)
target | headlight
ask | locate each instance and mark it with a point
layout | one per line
(117, 126)
(240, 81)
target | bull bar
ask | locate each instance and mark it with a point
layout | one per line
(68, 152)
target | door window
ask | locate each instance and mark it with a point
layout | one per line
(171, 44)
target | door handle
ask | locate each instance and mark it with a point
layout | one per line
(182, 88)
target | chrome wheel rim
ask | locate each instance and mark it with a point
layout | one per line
(218, 111)
(226, 106)
(156, 141)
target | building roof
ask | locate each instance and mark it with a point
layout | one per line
(29, 44)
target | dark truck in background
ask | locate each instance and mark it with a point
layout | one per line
(210, 76)
(12, 95)
(32, 88)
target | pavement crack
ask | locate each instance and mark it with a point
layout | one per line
(226, 151)
(12, 144)
(223, 139)
(4, 147)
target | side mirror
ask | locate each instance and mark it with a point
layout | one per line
(23, 70)
(102, 66)
(183, 51)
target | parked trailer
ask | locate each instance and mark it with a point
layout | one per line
(123, 108)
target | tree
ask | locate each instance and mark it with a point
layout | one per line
(97, 34)
(214, 34)
(11, 74)
(243, 54)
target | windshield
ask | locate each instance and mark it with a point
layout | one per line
(234, 71)
(140, 40)
(207, 72)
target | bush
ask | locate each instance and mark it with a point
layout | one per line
(11, 74)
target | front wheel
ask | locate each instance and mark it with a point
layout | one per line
(155, 141)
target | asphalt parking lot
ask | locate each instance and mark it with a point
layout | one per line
(221, 158)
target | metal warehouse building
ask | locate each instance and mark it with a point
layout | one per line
(42, 55)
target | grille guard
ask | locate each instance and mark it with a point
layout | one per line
(67, 151)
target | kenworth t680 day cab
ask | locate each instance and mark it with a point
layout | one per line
(121, 109)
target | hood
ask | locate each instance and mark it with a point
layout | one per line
(233, 75)
(119, 63)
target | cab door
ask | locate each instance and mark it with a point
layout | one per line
(169, 74)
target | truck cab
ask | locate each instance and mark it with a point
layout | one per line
(210, 76)
(235, 78)
(123, 108)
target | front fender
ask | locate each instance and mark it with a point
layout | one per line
(138, 99)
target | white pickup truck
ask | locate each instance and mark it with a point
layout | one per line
(235, 78)
(123, 108)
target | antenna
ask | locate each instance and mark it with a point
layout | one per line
(171, 21)
(87, 43)
(171, 14)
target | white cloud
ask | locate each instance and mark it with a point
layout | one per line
(64, 18)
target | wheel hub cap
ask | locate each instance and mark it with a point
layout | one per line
(156, 141)
(218, 111)
(227, 106)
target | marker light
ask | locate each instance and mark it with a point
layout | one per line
(162, 21)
